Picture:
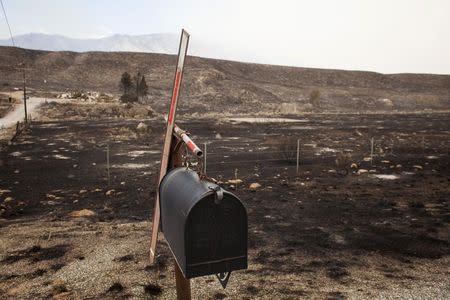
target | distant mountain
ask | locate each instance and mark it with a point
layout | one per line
(164, 43)
(154, 43)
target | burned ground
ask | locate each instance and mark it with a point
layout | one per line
(380, 233)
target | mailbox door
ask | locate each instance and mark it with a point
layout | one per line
(216, 236)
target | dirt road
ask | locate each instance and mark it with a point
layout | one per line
(17, 115)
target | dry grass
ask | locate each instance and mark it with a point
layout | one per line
(221, 86)
(91, 111)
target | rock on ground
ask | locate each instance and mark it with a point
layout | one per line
(254, 186)
(82, 213)
(234, 181)
(142, 127)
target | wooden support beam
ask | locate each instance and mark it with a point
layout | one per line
(183, 284)
(184, 41)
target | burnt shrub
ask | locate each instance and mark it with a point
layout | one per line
(128, 98)
(116, 288)
(416, 204)
(152, 289)
(287, 147)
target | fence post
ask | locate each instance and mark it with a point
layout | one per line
(423, 145)
(392, 149)
(204, 164)
(371, 151)
(107, 164)
(298, 153)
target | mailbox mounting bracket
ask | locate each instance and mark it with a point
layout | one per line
(223, 278)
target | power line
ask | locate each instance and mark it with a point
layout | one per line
(7, 22)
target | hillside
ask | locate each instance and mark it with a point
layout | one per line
(226, 86)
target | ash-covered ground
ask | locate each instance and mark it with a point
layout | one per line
(381, 231)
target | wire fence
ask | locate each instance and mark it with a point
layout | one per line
(252, 159)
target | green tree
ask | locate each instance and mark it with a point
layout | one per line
(126, 83)
(137, 80)
(143, 87)
(133, 87)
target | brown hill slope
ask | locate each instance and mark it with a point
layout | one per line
(225, 86)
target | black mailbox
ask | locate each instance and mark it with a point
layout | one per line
(204, 225)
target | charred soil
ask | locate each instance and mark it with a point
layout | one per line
(317, 233)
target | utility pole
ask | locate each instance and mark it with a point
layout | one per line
(25, 96)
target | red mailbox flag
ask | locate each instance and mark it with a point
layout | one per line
(184, 41)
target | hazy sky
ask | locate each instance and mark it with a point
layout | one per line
(389, 36)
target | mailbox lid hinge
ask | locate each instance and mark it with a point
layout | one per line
(218, 193)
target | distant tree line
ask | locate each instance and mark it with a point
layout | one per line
(133, 88)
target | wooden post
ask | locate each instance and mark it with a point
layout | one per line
(171, 157)
(107, 164)
(392, 149)
(371, 152)
(298, 153)
(423, 145)
(183, 284)
(182, 50)
(204, 164)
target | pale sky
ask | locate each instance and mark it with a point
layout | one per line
(388, 36)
